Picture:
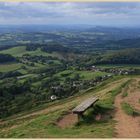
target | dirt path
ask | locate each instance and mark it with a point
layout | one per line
(127, 126)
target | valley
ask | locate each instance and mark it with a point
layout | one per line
(45, 74)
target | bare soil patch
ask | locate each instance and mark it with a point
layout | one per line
(67, 120)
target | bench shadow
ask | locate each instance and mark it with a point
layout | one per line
(96, 114)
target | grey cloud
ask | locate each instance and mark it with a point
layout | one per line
(68, 11)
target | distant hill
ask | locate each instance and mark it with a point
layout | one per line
(126, 56)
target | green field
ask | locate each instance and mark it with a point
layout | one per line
(9, 67)
(90, 75)
(21, 50)
(86, 75)
(124, 66)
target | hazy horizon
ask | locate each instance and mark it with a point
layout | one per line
(113, 14)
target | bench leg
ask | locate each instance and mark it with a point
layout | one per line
(80, 116)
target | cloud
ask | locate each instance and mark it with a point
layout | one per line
(69, 13)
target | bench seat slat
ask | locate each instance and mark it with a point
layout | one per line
(85, 105)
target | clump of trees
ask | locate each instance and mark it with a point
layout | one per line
(10, 91)
(127, 56)
(50, 47)
(6, 58)
(9, 74)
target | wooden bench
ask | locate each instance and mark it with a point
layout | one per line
(80, 109)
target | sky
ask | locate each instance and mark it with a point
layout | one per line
(96, 13)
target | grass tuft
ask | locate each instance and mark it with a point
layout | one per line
(127, 108)
(125, 94)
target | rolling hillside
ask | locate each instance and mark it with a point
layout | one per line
(44, 75)
(44, 121)
(21, 50)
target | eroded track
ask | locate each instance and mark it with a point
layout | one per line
(128, 126)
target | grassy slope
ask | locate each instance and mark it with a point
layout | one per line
(9, 67)
(124, 66)
(21, 50)
(41, 123)
(87, 75)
